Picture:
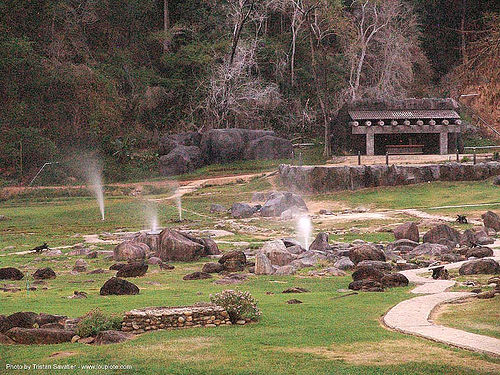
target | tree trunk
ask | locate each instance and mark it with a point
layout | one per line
(166, 26)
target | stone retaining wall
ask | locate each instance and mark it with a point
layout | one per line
(323, 179)
(154, 318)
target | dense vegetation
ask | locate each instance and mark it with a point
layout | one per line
(113, 75)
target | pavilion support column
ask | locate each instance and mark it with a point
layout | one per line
(370, 144)
(443, 143)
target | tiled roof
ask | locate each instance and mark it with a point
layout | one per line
(413, 114)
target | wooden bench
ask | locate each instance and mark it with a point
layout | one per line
(405, 149)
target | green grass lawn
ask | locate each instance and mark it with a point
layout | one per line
(323, 335)
(475, 315)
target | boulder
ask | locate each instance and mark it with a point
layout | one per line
(211, 247)
(293, 301)
(407, 231)
(117, 266)
(330, 271)
(212, 268)
(43, 319)
(483, 238)
(292, 213)
(381, 266)
(111, 337)
(217, 209)
(442, 231)
(496, 181)
(132, 270)
(366, 252)
(182, 159)
(296, 289)
(44, 274)
(426, 248)
(118, 286)
(30, 336)
(80, 266)
(366, 285)
(233, 261)
(268, 147)
(171, 141)
(197, 276)
(130, 250)
(297, 249)
(468, 238)
(285, 270)
(6, 340)
(363, 273)
(394, 280)
(263, 265)
(491, 220)
(480, 266)
(10, 273)
(320, 243)
(228, 145)
(479, 252)
(154, 261)
(242, 210)
(344, 263)
(177, 247)
(281, 201)
(19, 319)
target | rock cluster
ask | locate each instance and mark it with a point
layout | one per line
(203, 315)
(184, 152)
(322, 179)
(282, 204)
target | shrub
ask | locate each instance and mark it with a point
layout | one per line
(96, 321)
(239, 305)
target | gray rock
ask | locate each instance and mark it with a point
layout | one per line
(320, 243)
(80, 265)
(480, 266)
(285, 270)
(263, 265)
(344, 263)
(242, 210)
(366, 252)
(268, 147)
(130, 250)
(432, 249)
(217, 208)
(281, 201)
(382, 266)
(407, 231)
(181, 159)
(292, 213)
(491, 220)
(440, 232)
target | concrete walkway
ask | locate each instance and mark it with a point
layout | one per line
(412, 316)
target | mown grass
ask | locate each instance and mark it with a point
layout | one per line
(323, 335)
(481, 316)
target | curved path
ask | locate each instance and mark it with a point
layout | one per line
(412, 316)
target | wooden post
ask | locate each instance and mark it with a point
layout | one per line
(387, 158)
(21, 158)
(474, 156)
(370, 144)
(458, 156)
(359, 157)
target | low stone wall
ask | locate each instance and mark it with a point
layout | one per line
(324, 179)
(154, 318)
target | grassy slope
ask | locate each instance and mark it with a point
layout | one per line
(320, 336)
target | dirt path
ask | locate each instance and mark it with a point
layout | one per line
(413, 316)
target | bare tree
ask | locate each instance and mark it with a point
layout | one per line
(240, 11)
(166, 26)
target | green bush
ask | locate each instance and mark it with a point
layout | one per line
(96, 321)
(239, 305)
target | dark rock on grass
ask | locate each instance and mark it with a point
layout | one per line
(367, 285)
(491, 220)
(6, 340)
(80, 265)
(177, 246)
(496, 181)
(42, 319)
(442, 231)
(296, 290)
(19, 319)
(320, 243)
(407, 231)
(212, 267)
(233, 261)
(211, 247)
(479, 252)
(217, 208)
(44, 274)
(182, 159)
(293, 301)
(486, 295)
(371, 273)
(197, 276)
(480, 266)
(111, 337)
(96, 271)
(53, 326)
(132, 270)
(154, 261)
(10, 273)
(166, 266)
(242, 210)
(440, 273)
(117, 266)
(394, 280)
(30, 336)
(116, 286)
(381, 266)
(366, 252)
